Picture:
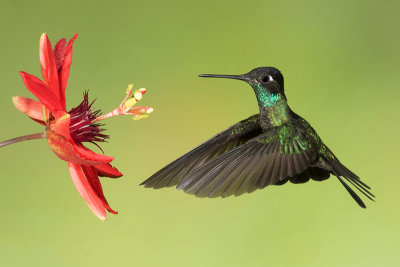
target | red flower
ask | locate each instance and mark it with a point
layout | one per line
(67, 131)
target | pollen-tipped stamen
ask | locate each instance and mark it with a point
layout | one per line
(127, 106)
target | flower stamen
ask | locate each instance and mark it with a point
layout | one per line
(127, 106)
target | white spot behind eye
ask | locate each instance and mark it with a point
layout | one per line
(270, 78)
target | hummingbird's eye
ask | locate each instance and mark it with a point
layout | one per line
(265, 79)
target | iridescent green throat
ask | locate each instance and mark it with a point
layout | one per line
(264, 97)
(273, 107)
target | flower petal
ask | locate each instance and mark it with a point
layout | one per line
(48, 64)
(59, 53)
(106, 170)
(93, 179)
(86, 191)
(90, 155)
(63, 73)
(32, 108)
(60, 141)
(61, 124)
(68, 151)
(41, 91)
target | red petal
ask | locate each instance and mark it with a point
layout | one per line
(90, 155)
(86, 191)
(41, 91)
(60, 141)
(67, 150)
(59, 53)
(65, 68)
(61, 125)
(106, 170)
(48, 64)
(31, 108)
(94, 182)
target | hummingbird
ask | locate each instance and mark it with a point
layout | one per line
(269, 148)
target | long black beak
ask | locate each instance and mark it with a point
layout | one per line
(237, 77)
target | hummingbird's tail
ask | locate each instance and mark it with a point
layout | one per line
(339, 170)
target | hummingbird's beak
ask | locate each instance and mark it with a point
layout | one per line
(237, 77)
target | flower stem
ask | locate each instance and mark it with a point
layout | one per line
(23, 138)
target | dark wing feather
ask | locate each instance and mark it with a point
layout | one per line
(225, 141)
(265, 160)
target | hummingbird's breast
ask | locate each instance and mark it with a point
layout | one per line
(274, 110)
(275, 115)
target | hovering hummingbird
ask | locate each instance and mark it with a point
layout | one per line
(269, 148)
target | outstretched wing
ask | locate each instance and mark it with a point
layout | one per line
(229, 139)
(265, 160)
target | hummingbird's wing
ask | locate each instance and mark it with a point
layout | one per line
(229, 139)
(271, 158)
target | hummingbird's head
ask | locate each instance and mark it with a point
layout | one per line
(267, 83)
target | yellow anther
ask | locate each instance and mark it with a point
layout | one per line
(149, 110)
(130, 103)
(137, 95)
(138, 117)
(129, 89)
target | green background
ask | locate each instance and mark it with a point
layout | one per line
(340, 60)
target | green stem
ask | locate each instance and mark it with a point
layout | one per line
(23, 138)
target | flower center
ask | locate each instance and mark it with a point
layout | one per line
(82, 128)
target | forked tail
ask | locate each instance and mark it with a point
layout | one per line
(339, 170)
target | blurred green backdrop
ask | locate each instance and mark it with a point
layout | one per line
(340, 60)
